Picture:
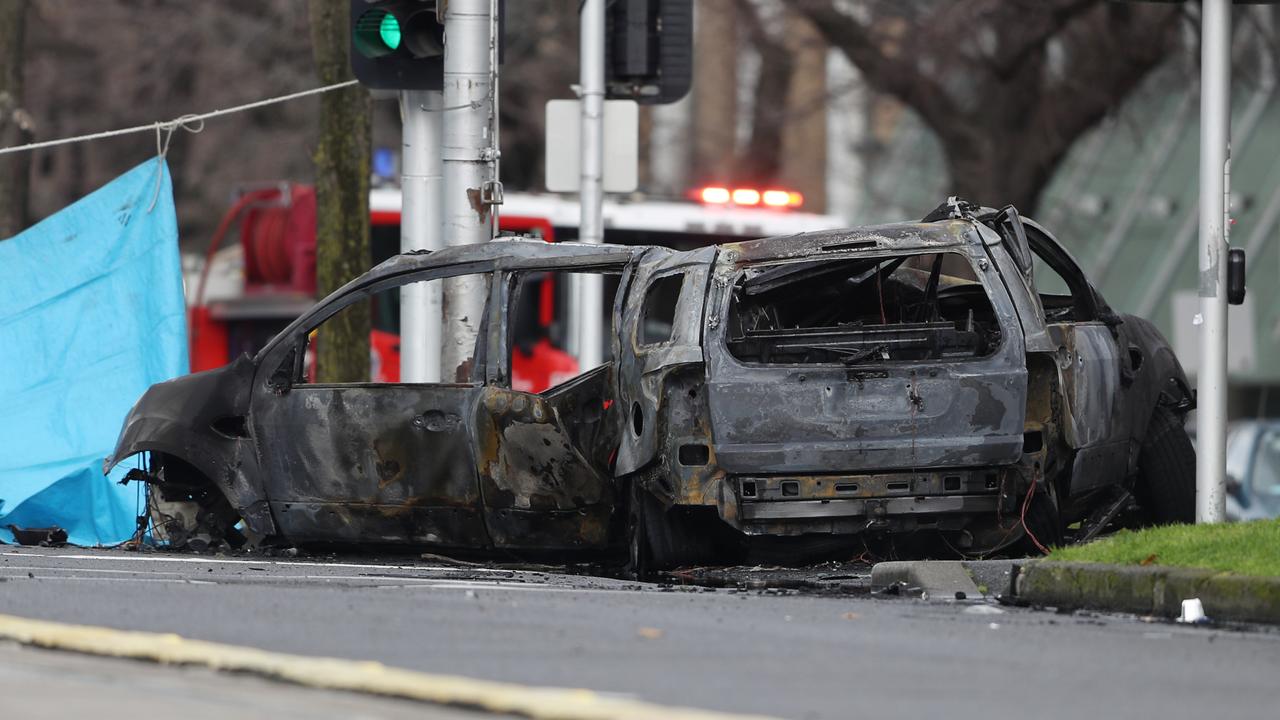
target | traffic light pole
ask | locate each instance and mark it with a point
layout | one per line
(587, 304)
(1215, 159)
(422, 185)
(470, 152)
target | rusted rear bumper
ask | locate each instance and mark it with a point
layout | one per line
(848, 504)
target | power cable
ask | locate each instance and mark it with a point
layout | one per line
(189, 122)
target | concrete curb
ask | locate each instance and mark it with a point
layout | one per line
(1149, 590)
(936, 579)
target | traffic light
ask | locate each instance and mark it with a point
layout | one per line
(397, 44)
(648, 50)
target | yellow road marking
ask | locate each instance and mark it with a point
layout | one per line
(350, 675)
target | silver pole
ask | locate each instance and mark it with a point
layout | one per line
(586, 307)
(421, 186)
(469, 153)
(1215, 170)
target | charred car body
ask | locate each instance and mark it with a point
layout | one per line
(869, 382)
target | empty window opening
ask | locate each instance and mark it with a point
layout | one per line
(862, 311)
(537, 326)
(658, 315)
(335, 353)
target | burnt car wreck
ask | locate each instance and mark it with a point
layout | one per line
(900, 380)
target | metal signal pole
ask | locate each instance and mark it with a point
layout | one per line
(586, 306)
(422, 186)
(1215, 173)
(470, 154)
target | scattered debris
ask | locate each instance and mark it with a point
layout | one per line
(53, 536)
(1193, 612)
(649, 633)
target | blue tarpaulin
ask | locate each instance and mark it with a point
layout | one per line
(91, 314)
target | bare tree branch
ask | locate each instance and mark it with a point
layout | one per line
(889, 62)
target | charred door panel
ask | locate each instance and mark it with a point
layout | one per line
(644, 366)
(543, 464)
(372, 463)
(1089, 368)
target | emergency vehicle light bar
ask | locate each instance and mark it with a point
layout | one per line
(749, 197)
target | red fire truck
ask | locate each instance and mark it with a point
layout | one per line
(241, 295)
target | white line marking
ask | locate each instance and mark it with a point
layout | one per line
(425, 585)
(87, 570)
(179, 581)
(286, 563)
(372, 582)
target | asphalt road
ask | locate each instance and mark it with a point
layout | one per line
(791, 655)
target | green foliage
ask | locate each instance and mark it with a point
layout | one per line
(1251, 548)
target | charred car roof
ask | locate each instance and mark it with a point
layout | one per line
(505, 253)
(896, 237)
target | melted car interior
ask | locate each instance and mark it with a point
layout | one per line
(854, 311)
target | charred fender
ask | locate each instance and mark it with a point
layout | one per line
(201, 420)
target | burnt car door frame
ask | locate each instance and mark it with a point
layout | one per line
(1086, 352)
(368, 462)
(642, 370)
(544, 457)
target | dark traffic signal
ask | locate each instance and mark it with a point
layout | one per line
(649, 50)
(397, 44)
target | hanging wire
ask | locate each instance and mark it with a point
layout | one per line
(182, 121)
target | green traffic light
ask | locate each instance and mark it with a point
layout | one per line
(377, 33)
(389, 31)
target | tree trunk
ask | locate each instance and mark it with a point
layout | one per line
(342, 159)
(715, 89)
(760, 162)
(15, 124)
(804, 137)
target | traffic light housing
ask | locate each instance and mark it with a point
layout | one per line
(648, 50)
(397, 44)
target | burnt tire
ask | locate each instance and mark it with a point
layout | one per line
(1166, 484)
(660, 538)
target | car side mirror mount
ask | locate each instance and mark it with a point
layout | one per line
(1010, 226)
(282, 379)
(1235, 276)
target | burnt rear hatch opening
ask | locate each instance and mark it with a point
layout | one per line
(910, 307)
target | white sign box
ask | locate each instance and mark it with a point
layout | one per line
(621, 145)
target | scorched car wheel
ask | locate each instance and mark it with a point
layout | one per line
(1166, 486)
(659, 538)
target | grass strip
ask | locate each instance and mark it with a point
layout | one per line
(1250, 548)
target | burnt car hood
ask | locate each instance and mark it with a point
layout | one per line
(195, 417)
